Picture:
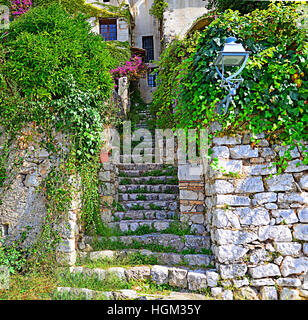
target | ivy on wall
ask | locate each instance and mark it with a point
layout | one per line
(273, 98)
(90, 9)
(55, 79)
(157, 10)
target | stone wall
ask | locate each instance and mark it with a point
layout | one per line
(180, 15)
(258, 221)
(23, 205)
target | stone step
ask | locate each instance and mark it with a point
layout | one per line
(144, 167)
(146, 214)
(178, 277)
(149, 180)
(146, 173)
(128, 159)
(176, 242)
(160, 188)
(150, 205)
(125, 294)
(133, 225)
(165, 258)
(147, 196)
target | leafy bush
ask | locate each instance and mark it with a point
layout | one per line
(241, 5)
(45, 45)
(273, 97)
(12, 257)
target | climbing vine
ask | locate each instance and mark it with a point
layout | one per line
(272, 99)
(157, 10)
(55, 83)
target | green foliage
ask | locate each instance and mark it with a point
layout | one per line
(79, 280)
(81, 6)
(273, 97)
(158, 8)
(47, 45)
(54, 78)
(119, 51)
(178, 228)
(12, 256)
(241, 5)
(129, 259)
(169, 76)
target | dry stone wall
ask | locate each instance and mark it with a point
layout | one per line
(257, 221)
(23, 204)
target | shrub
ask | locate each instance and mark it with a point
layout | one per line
(47, 44)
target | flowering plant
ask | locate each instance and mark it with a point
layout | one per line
(20, 7)
(132, 69)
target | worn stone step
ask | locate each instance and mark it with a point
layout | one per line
(165, 258)
(176, 242)
(128, 159)
(150, 205)
(133, 225)
(147, 196)
(144, 167)
(148, 180)
(125, 294)
(146, 149)
(146, 173)
(146, 214)
(160, 188)
(178, 277)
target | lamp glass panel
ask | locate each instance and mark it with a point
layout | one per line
(232, 60)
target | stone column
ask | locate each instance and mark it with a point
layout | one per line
(191, 184)
(108, 178)
(66, 251)
(123, 93)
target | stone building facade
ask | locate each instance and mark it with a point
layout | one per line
(142, 31)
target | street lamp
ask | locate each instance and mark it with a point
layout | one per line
(234, 55)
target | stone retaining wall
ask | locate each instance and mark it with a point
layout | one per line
(23, 204)
(258, 221)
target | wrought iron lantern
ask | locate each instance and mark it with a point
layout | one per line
(234, 55)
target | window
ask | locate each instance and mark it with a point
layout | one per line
(152, 78)
(148, 45)
(108, 29)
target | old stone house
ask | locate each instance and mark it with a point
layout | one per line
(250, 228)
(142, 29)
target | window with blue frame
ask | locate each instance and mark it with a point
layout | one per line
(108, 29)
(152, 75)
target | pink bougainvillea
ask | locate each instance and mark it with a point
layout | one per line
(132, 69)
(19, 7)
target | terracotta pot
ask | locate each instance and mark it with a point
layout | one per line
(104, 156)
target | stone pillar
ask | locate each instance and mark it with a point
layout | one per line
(66, 251)
(123, 93)
(108, 178)
(191, 185)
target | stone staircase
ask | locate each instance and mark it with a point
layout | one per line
(148, 224)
